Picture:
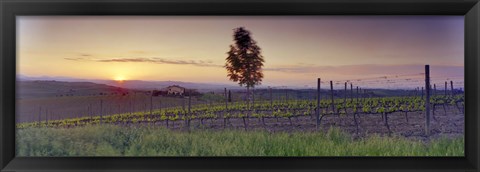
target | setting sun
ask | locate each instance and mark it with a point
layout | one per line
(119, 78)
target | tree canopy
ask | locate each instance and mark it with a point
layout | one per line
(244, 62)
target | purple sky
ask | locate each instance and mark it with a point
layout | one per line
(376, 51)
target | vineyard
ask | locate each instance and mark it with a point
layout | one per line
(290, 115)
(407, 113)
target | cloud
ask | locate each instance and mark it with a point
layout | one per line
(156, 60)
(75, 58)
(163, 61)
(126, 60)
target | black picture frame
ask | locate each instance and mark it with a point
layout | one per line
(9, 9)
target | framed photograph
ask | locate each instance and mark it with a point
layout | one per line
(240, 85)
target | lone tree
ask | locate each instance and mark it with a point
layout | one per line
(244, 62)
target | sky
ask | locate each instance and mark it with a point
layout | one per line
(374, 51)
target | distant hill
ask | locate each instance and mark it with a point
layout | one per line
(138, 84)
(44, 88)
(151, 85)
(35, 89)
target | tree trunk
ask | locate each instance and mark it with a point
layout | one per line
(248, 97)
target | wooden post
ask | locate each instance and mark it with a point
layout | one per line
(360, 93)
(351, 92)
(90, 111)
(451, 86)
(364, 93)
(357, 94)
(427, 100)
(422, 91)
(229, 96)
(144, 107)
(445, 88)
(226, 99)
(271, 97)
(183, 100)
(160, 103)
(296, 97)
(345, 96)
(430, 90)
(434, 89)
(101, 111)
(39, 116)
(416, 91)
(131, 107)
(151, 106)
(286, 96)
(331, 95)
(111, 109)
(189, 106)
(46, 117)
(133, 104)
(318, 105)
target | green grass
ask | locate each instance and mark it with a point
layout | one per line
(146, 141)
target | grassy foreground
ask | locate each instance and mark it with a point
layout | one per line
(112, 140)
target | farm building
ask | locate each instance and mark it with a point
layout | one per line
(175, 90)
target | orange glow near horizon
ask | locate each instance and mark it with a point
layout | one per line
(119, 78)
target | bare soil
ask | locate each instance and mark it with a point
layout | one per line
(449, 124)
